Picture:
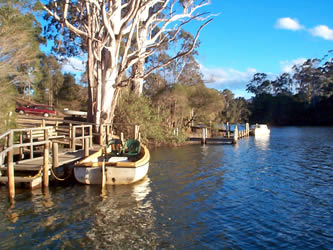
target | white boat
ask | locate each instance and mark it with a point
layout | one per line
(123, 164)
(260, 130)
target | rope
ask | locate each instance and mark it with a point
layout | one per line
(52, 172)
(57, 178)
(36, 175)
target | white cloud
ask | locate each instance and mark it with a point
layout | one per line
(287, 66)
(74, 65)
(322, 31)
(288, 23)
(227, 78)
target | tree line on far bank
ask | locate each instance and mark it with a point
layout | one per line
(304, 97)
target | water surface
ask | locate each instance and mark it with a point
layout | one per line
(273, 192)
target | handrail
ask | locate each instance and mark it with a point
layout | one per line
(37, 143)
(10, 146)
(23, 130)
(82, 137)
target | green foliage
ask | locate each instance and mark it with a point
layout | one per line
(133, 110)
(7, 106)
(69, 90)
(305, 98)
(19, 43)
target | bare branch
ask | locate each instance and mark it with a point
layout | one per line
(179, 54)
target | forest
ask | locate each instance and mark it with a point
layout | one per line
(160, 92)
(304, 97)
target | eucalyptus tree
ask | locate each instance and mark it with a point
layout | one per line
(260, 84)
(309, 78)
(110, 33)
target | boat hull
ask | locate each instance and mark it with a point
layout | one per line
(118, 169)
(261, 132)
(113, 175)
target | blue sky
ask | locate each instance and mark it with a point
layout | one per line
(266, 36)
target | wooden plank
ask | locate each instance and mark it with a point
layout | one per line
(23, 168)
(18, 179)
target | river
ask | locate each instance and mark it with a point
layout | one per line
(273, 192)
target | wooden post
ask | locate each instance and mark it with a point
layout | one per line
(46, 160)
(101, 135)
(235, 134)
(31, 146)
(86, 147)
(247, 128)
(90, 136)
(10, 171)
(136, 132)
(107, 133)
(122, 137)
(70, 135)
(55, 159)
(43, 123)
(73, 138)
(103, 168)
(21, 148)
(82, 135)
(203, 139)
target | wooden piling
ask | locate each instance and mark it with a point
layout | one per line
(70, 135)
(247, 128)
(73, 138)
(55, 158)
(31, 146)
(235, 134)
(21, 156)
(90, 138)
(10, 166)
(108, 133)
(46, 160)
(204, 136)
(101, 132)
(122, 137)
(136, 132)
(86, 147)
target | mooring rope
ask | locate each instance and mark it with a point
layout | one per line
(36, 175)
(58, 178)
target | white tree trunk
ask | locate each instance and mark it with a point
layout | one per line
(137, 79)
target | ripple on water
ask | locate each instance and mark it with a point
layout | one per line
(270, 192)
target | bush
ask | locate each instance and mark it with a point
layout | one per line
(133, 110)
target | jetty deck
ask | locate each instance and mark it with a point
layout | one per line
(227, 137)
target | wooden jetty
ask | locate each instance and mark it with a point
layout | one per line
(227, 137)
(39, 141)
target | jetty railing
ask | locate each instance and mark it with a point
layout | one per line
(75, 135)
(10, 145)
(227, 136)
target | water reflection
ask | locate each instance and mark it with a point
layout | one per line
(262, 141)
(266, 193)
(124, 217)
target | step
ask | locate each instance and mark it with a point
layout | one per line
(33, 181)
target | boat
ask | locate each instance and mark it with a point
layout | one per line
(259, 130)
(123, 164)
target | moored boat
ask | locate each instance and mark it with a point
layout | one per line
(123, 164)
(260, 130)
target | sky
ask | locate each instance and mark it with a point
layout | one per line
(266, 36)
